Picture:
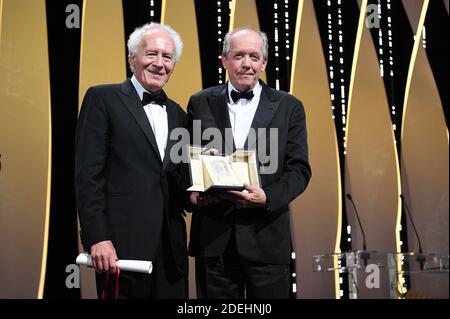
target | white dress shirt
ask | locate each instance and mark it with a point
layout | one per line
(242, 113)
(157, 116)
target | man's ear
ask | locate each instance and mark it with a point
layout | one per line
(263, 67)
(224, 61)
(132, 58)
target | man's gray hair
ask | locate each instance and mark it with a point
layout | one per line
(264, 47)
(134, 41)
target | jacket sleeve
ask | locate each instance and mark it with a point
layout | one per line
(91, 152)
(181, 175)
(297, 171)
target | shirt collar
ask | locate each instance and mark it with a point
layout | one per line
(138, 87)
(256, 90)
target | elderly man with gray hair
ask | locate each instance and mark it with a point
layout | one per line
(241, 241)
(127, 188)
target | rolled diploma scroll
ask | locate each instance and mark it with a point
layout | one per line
(143, 266)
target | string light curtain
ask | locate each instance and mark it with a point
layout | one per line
(338, 21)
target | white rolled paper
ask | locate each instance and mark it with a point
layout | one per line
(143, 266)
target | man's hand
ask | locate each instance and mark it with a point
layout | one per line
(104, 256)
(203, 200)
(251, 196)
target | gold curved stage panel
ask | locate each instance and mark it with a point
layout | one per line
(25, 146)
(413, 10)
(244, 14)
(425, 168)
(102, 60)
(316, 224)
(187, 77)
(372, 170)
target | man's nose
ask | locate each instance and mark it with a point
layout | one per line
(246, 61)
(158, 60)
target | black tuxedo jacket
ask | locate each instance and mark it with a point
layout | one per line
(262, 234)
(123, 189)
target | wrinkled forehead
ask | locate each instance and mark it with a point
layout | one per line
(246, 41)
(159, 39)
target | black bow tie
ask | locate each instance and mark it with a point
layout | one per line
(235, 95)
(159, 98)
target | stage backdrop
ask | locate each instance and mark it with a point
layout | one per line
(376, 102)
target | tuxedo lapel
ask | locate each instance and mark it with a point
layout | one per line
(171, 125)
(264, 113)
(219, 109)
(131, 101)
